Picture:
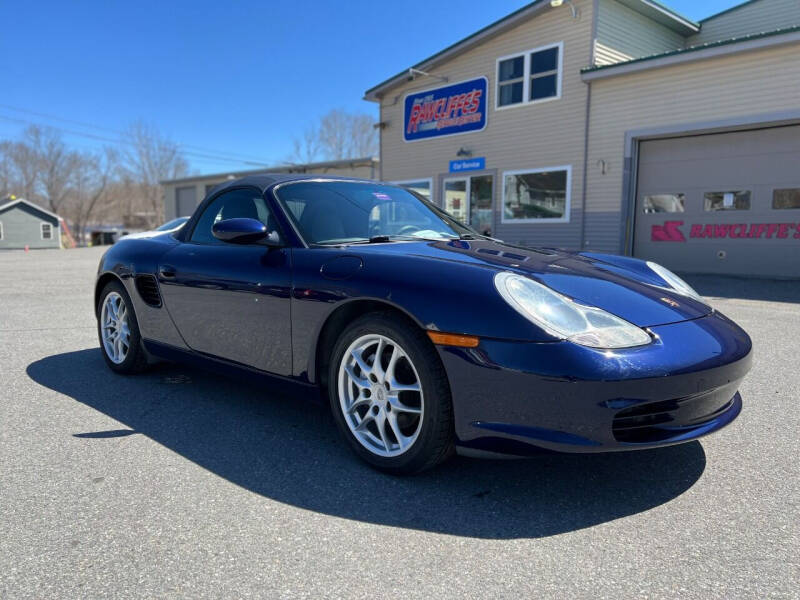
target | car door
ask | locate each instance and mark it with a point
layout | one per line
(231, 300)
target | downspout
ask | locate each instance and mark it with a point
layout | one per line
(587, 116)
(585, 164)
(380, 141)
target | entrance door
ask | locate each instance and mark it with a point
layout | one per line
(469, 199)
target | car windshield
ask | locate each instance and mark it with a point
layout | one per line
(341, 212)
(172, 224)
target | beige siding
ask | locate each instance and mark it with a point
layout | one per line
(753, 17)
(530, 136)
(623, 34)
(745, 85)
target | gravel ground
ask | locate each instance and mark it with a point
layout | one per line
(179, 484)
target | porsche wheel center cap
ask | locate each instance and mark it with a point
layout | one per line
(379, 393)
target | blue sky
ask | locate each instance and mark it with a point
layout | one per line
(233, 77)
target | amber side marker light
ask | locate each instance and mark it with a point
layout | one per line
(453, 339)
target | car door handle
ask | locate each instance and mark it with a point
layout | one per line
(166, 271)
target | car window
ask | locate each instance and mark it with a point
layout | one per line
(241, 203)
(329, 212)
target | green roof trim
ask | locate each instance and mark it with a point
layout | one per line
(736, 40)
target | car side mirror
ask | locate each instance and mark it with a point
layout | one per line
(273, 239)
(240, 231)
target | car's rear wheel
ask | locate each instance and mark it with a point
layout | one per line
(118, 330)
(390, 396)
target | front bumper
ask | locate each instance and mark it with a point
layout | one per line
(521, 398)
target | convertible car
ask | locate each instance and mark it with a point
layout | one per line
(425, 336)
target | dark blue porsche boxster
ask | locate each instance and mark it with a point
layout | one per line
(425, 335)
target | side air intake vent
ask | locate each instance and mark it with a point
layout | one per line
(147, 286)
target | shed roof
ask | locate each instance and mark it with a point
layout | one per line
(36, 207)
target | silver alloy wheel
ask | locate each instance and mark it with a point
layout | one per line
(114, 328)
(380, 395)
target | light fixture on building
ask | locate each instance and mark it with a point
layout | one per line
(557, 3)
(464, 152)
(412, 74)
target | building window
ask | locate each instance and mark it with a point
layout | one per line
(664, 203)
(529, 77)
(739, 200)
(510, 80)
(781, 199)
(47, 231)
(537, 195)
(420, 186)
(544, 74)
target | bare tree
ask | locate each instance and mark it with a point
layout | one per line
(307, 148)
(334, 134)
(55, 165)
(20, 169)
(92, 177)
(340, 134)
(151, 159)
(363, 136)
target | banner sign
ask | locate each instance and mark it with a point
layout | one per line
(449, 110)
(470, 164)
(671, 231)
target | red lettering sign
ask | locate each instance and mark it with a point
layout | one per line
(670, 231)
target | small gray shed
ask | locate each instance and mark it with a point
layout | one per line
(23, 223)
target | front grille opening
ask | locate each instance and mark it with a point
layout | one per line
(660, 421)
(147, 286)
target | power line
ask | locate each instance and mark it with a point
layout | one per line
(127, 142)
(225, 153)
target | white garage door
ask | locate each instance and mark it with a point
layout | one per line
(724, 203)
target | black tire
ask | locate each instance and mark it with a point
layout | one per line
(435, 441)
(136, 359)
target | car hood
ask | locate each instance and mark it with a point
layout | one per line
(622, 286)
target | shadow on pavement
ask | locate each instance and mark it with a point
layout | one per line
(287, 449)
(772, 290)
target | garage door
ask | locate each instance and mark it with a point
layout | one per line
(724, 203)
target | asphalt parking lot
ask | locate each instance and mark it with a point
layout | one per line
(176, 483)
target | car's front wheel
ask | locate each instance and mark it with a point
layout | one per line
(118, 331)
(390, 396)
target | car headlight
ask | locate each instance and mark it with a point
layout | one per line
(675, 282)
(564, 318)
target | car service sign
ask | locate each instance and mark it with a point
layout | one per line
(449, 110)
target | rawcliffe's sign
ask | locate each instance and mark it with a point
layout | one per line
(671, 231)
(448, 110)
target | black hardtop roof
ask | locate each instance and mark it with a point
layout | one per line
(266, 180)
